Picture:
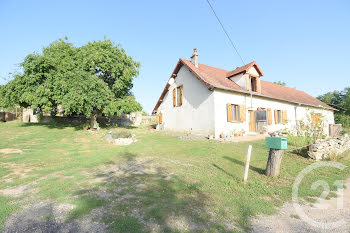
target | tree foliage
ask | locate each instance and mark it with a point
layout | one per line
(340, 99)
(94, 78)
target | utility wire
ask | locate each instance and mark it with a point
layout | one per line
(223, 28)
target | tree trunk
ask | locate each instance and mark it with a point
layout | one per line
(274, 162)
(93, 121)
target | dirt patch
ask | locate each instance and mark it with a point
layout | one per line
(17, 169)
(323, 212)
(15, 191)
(10, 151)
(46, 216)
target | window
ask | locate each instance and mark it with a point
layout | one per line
(281, 117)
(178, 96)
(315, 117)
(253, 83)
(260, 115)
(236, 113)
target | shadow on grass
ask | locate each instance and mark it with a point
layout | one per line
(58, 125)
(53, 125)
(301, 152)
(224, 171)
(256, 169)
(140, 196)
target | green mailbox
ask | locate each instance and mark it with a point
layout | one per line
(276, 143)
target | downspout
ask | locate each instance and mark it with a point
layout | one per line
(251, 100)
(296, 120)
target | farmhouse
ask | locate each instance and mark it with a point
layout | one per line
(213, 101)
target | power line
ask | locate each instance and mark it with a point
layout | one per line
(223, 28)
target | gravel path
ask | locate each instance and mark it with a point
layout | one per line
(288, 221)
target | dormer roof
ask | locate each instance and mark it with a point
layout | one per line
(244, 69)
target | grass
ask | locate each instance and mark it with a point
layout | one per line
(176, 185)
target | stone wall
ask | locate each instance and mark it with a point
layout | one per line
(329, 148)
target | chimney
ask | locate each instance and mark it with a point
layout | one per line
(194, 58)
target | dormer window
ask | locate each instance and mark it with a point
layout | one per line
(253, 83)
(247, 77)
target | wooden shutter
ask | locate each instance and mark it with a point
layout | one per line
(284, 117)
(248, 82)
(157, 119)
(242, 113)
(276, 116)
(258, 85)
(229, 112)
(160, 118)
(269, 116)
(181, 95)
(174, 97)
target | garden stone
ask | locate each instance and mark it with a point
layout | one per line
(120, 141)
(324, 148)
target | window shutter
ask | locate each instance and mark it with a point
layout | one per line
(276, 117)
(242, 113)
(157, 119)
(248, 83)
(269, 116)
(284, 117)
(181, 94)
(174, 97)
(229, 113)
(258, 85)
(160, 118)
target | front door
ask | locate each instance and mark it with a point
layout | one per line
(251, 121)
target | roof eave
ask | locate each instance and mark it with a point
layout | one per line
(270, 97)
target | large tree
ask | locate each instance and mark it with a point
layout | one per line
(91, 79)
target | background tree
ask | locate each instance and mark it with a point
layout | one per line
(92, 79)
(280, 83)
(340, 99)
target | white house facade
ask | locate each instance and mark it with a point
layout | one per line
(211, 101)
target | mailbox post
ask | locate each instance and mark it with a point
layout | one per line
(276, 145)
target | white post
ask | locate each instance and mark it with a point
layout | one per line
(246, 168)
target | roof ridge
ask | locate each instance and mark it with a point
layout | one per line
(207, 65)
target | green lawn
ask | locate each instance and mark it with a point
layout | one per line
(176, 185)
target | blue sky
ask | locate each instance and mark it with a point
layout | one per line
(304, 43)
